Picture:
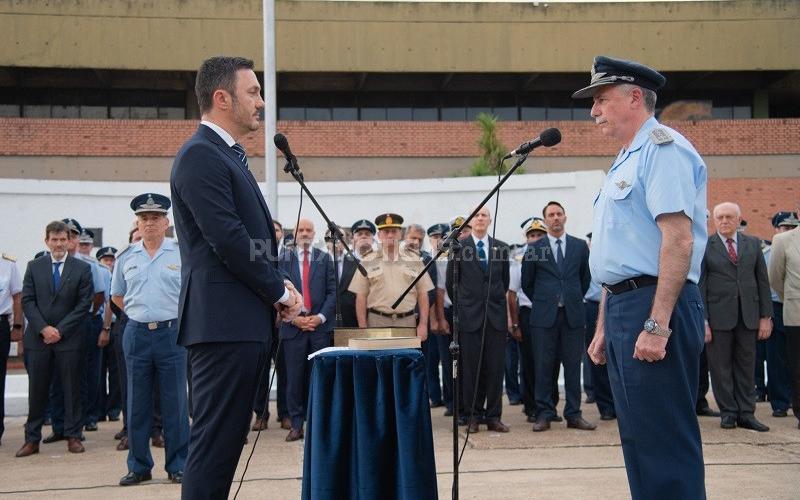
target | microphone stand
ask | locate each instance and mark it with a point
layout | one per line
(452, 243)
(291, 167)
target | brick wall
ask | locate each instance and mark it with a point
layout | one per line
(40, 137)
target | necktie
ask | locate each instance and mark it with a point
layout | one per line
(56, 276)
(306, 281)
(482, 256)
(559, 255)
(239, 149)
(732, 251)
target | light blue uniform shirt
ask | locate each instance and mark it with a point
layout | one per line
(645, 181)
(773, 293)
(595, 292)
(97, 276)
(150, 287)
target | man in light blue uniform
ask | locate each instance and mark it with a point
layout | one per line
(146, 286)
(649, 237)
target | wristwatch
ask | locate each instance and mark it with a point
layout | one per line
(652, 327)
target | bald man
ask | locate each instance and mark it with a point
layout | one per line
(735, 287)
(311, 271)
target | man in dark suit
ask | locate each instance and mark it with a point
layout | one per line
(555, 276)
(311, 271)
(735, 287)
(231, 288)
(363, 232)
(56, 293)
(483, 320)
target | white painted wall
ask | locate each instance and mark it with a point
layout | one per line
(27, 205)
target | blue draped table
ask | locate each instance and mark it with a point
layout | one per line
(368, 430)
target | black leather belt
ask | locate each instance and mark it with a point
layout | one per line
(391, 315)
(630, 284)
(155, 325)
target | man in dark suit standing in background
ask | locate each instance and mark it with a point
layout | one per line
(555, 276)
(735, 287)
(311, 271)
(56, 293)
(231, 288)
(479, 283)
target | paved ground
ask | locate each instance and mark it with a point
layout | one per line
(561, 463)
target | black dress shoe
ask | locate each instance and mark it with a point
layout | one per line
(121, 434)
(90, 427)
(294, 435)
(728, 422)
(436, 404)
(448, 412)
(175, 477)
(541, 425)
(53, 437)
(474, 427)
(514, 402)
(531, 419)
(113, 418)
(589, 400)
(556, 418)
(750, 422)
(132, 478)
(581, 424)
(608, 416)
(780, 413)
(497, 426)
(706, 411)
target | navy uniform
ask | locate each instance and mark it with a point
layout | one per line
(779, 384)
(10, 319)
(150, 288)
(109, 400)
(660, 172)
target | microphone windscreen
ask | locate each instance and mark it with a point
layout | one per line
(550, 137)
(281, 142)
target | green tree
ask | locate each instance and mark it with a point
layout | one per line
(492, 150)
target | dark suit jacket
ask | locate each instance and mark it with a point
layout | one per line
(474, 282)
(66, 310)
(347, 299)
(229, 268)
(543, 282)
(725, 285)
(323, 289)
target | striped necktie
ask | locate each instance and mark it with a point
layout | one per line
(239, 149)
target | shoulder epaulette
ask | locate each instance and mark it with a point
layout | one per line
(9, 257)
(660, 136)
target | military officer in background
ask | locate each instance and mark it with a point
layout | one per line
(390, 269)
(438, 339)
(108, 399)
(146, 286)
(363, 232)
(648, 240)
(11, 320)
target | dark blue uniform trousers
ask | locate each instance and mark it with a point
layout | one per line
(779, 384)
(601, 387)
(90, 383)
(147, 353)
(655, 402)
(224, 380)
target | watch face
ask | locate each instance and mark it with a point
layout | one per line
(650, 325)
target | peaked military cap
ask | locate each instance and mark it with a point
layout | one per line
(534, 224)
(779, 218)
(389, 221)
(40, 253)
(73, 226)
(105, 252)
(458, 221)
(86, 236)
(791, 221)
(441, 229)
(150, 202)
(610, 71)
(363, 224)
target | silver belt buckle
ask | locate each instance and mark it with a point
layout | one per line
(152, 326)
(394, 316)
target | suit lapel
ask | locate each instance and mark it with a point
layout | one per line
(315, 263)
(227, 151)
(719, 247)
(549, 257)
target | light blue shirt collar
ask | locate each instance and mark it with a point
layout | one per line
(638, 140)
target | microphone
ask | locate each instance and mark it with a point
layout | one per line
(549, 137)
(283, 145)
